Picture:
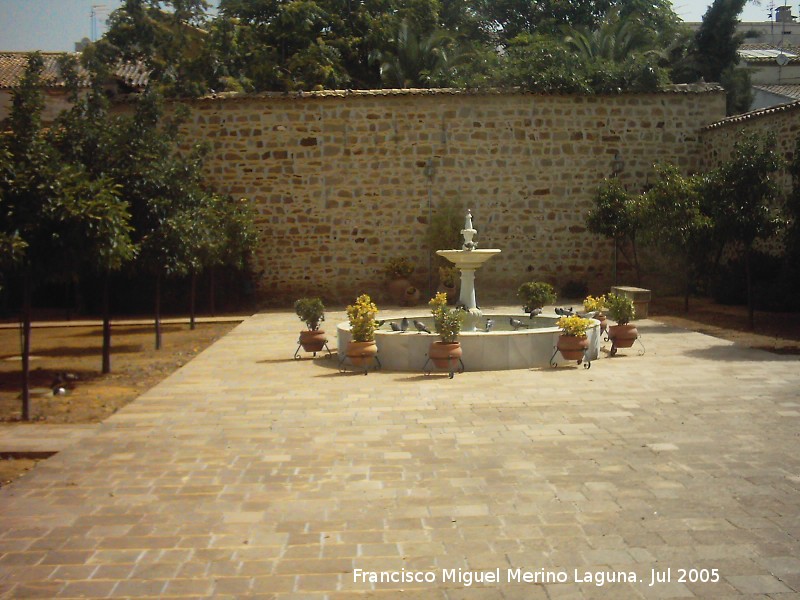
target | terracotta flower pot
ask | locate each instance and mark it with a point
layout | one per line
(623, 336)
(445, 355)
(411, 296)
(361, 353)
(313, 340)
(397, 290)
(572, 347)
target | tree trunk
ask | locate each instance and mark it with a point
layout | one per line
(158, 312)
(192, 300)
(751, 323)
(106, 326)
(26, 346)
(212, 291)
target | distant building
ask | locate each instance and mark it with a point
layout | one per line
(128, 78)
(771, 53)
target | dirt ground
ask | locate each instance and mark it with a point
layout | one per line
(137, 366)
(774, 332)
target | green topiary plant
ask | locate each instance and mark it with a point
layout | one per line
(311, 312)
(620, 308)
(362, 319)
(535, 294)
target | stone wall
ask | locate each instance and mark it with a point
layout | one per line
(343, 181)
(783, 121)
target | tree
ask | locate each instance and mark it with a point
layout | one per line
(52, 212)
(617, 215)
(741, 196)
(713, 55)
(674, 222)
(418, 61)
(166, 36)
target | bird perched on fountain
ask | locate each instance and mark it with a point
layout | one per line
(489, 324)
(516, 323)
(421, 327)
(535, 312)
(565, 312)
(395, 326)
(404, 324)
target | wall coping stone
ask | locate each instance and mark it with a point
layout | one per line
(684, 88)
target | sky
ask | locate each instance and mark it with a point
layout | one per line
(55, 25)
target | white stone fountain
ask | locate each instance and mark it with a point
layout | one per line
(468, 260)
(486, 348)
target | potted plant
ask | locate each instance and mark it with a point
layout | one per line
(448, 281)
(573, 342)
(447, 321)
(397, 271)
(621, 310)
(597, 306)
(362, 347)
(535, 294)
(311, 311)
(411, 297)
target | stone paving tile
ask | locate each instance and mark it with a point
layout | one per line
(250, 474)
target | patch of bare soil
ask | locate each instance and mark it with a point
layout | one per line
(774, 332)
(89, 396)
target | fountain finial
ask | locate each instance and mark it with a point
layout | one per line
(468, 232)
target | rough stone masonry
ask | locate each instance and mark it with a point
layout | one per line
(344, 180)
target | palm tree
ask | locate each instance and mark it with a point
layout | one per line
(417, 60)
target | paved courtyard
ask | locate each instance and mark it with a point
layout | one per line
(249, 474)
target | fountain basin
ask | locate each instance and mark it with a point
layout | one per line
(495, 350)
(468, 259)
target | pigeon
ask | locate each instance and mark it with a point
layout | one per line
(516, 323)
(421, 327)
(62, 382)
(395, 326)
(535, 312)
(379, 323)
(489, 324)
(565, 312)
(404, 324)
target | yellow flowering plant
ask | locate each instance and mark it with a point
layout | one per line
(446, 321)
(362, 319)
(599, 304)
(575, 326)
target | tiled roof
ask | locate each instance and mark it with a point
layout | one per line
(789, 91)
(768, 53)
(792, 106)
(13, 64)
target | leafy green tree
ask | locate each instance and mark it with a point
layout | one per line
(674, 222)
(53, 212)
(713, 54)
(166, 35)
(741, 196)
(617, 215)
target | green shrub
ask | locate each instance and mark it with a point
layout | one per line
(535, 294)
(311, 312)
